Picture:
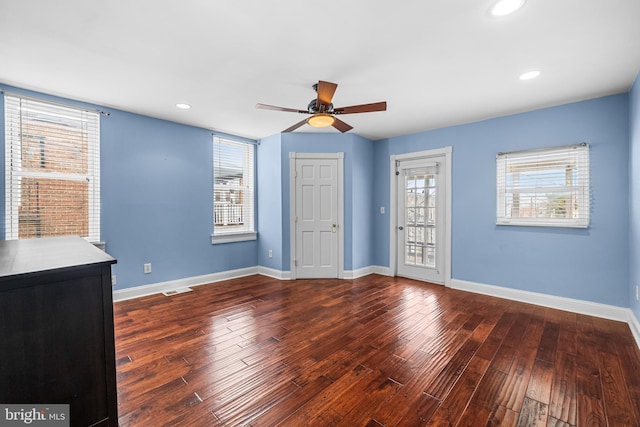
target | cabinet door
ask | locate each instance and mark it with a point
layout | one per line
(53, 346)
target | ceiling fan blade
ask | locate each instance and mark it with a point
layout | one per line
(294, 127)
(325, 94)
(341, 126)
(364, 108)
(273, 107)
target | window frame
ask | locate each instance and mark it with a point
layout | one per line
(248, 232)
(13, 160)
(576, 156)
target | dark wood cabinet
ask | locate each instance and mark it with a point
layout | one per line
(56, 327)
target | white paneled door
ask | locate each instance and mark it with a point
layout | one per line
(316, 218)
(420, 221)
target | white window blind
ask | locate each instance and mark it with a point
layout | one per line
(233, 188)
(52, 155)
(545, 187)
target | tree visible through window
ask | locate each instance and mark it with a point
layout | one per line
(548, 187)
(52, 170)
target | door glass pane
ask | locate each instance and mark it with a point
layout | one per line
(420, 220)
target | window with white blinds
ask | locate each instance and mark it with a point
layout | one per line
(545, 187)
(52, 155)
(233, 191)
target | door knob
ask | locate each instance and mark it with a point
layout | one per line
(400, 228)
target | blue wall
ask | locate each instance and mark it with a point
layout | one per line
(362, 176)
(591, 264)
(269, 182)
(634, 194)
(157, 200)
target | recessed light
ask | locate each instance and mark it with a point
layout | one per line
(183, 106)
(530, 75)
(506, 7)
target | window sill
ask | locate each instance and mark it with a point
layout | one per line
(233, 237)
(543, 223)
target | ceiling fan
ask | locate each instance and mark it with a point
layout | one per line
(322, 110)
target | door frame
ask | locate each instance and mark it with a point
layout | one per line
(393, 206)
(293, 157)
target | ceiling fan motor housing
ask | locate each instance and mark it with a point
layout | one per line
(313, 107)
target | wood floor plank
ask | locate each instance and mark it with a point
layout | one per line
(630, 360)
(474, 416)
(453, 406)
(590, 405)
(374, 395)
(372, 351)
(501, 416)
(490, 346)
(533, 414)
(540, 382)
(447, 377)
(549, 342)
(420, 412)
(328, 399)
(489, 389)
(616, 396)
(554, 422)
(515, 386)
(562, 402)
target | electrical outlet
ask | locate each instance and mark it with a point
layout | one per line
(113, 279)
(147, 268)
(637, 295)
(381, 210)
(270, 253)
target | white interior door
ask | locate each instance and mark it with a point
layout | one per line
(420, 219)
(316, 218)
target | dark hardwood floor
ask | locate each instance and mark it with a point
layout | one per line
(367, 352)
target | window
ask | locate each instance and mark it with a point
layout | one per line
(233, 191)
(52, 155)
(547, 187)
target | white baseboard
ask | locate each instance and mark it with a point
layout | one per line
(360, 272)
(348, 274)
(276, 274)
(561, 303)
(156, 288)
(286, 275)
(634, 325)
(383, 271)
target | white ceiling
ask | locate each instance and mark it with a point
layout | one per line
(435, 62)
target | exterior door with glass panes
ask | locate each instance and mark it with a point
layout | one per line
(420, 228)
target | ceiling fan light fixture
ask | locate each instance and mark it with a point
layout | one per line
(320, 120)
(506, 7)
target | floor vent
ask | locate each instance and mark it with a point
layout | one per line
(176, 291)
